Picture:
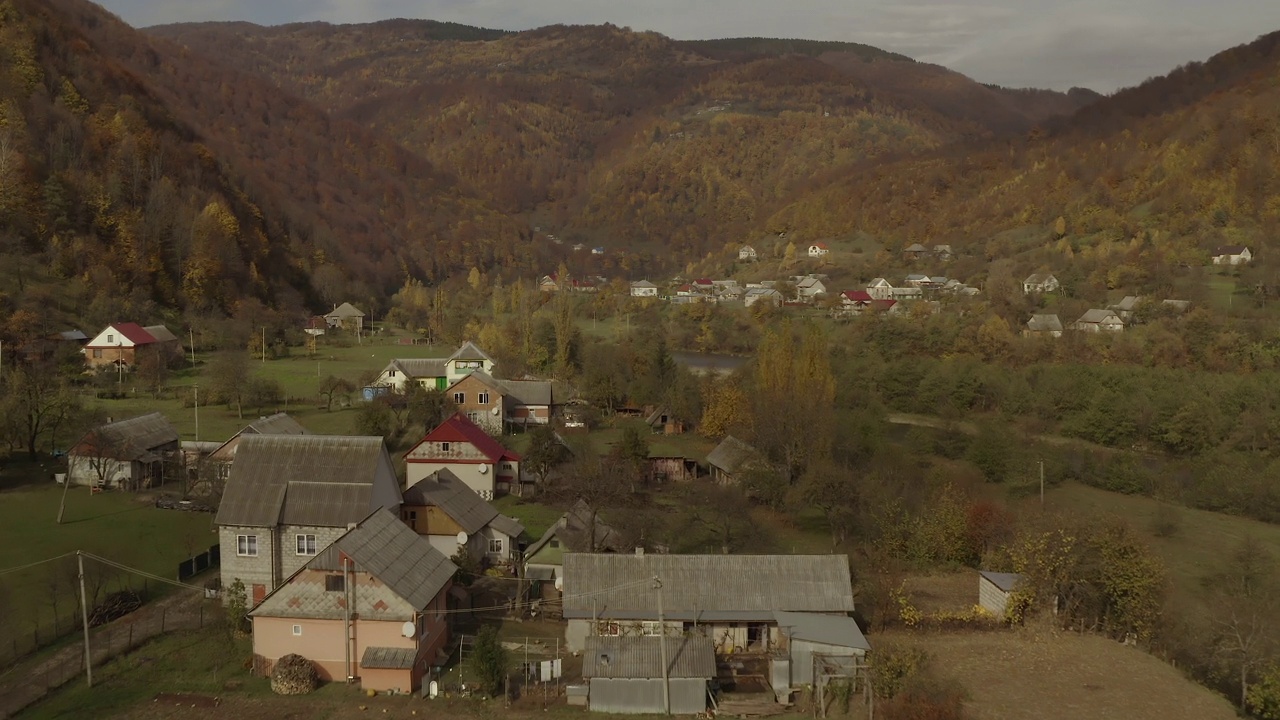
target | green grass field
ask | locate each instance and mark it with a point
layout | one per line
(118, 526)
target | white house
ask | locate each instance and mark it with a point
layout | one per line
(463, 448)
(1044, 324)
(643, 288)
(755, 295)
(819, 250)
(434, 373)
(1099, 321)
(1040, 283)
(880, 289)
(810, 288)
(1232, 255)
(746, 252)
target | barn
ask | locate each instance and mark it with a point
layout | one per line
(994, 589)
(625, 674)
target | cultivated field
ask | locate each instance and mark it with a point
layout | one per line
(1015, 675)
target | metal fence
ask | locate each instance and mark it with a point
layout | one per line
(197, 564)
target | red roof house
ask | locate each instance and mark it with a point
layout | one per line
(466, 450)
(118, 343)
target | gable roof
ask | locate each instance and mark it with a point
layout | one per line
(730, 454)
(133, 332)
(1041, 322)
(1038, 278)
(916, 248)
(856, 296)
(73, 336)
(572, 531)
(383, 546)
(642, 284)
(278, 424)
(1005, 581)
(418, 367)
(1098, 316)
(132, 439)
(160, 333)
(345, 310)
(1127, 304)
(317, 480)
(459, 429)
(530, 392)
(638, 657)
(444, 490)
(838, 630)
(704, 587)
(1230, 250)
(469, 351)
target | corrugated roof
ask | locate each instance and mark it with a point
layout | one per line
(73, 335)
(1005, 581)
(388, 658)
(838, 630)
(1097, 316)
(419, 367)
(730, 454)
(160, 333)
(345, 310)
(323, 480)
(400, 558)
(636, 657)
(278, 424)
(130, 439)
(1041, 322)
(530, 392)
(134, 333)
(444, 490)
(705, 587)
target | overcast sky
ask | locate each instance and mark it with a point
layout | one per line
(1100, 44)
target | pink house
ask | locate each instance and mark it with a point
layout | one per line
(371, 607)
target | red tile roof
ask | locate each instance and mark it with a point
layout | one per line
(856, 295)
(459, 429)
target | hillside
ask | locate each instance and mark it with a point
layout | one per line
(628, 138)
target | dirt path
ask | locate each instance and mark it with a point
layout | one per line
(26, 683)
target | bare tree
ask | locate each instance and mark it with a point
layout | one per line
(1246, 602)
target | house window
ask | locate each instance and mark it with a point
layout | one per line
(247, 545)
(391, 373)
(444, 447)
(495, 546)
(473, 416)
(334, 583)
(306, 544)
(97, 353)
(459, 398)
(650, 628)
(611, 629)
(483, 399)
(297, 629)
(506, 466)
(111, 338)
(554, 543)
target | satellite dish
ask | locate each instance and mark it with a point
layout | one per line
(496, 410)
(483, 468)
(433, 689)
(462, 537)
(559, 584)
(408, 629)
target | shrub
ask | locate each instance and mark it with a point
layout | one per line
(925, 698)
(489, 661)
(893, 667)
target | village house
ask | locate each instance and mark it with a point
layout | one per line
(625, 674)
(217, 464)
(124, 344)
(664, 422)
(810, 288)
(943, 252)
(729, 458)
(818, 250)
(761, 294)
(345, 317)
(1040, 283)
(1232, 255)
(917, 280)
(880, 289)
(1044, 324)
(465, 449)
(915, 251)
(855, 301)
(441, 508)
(597, 250)
(747, 253)
(643, 288)
(129, 454)
(903, 294)
(579, 530)
(494, 404)
(289, 496)
(1126, 307)
(432, 373)
(994, 589)
(731, 599)
(371, 607)
(553, 283)
(1099, 321)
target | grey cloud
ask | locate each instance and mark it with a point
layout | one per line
(1103, 44)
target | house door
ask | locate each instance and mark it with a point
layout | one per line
(259, 593)
(757, 636)
(442, 384)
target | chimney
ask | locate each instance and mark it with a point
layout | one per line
(640, 552)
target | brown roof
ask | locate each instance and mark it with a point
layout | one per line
(127, 439)
(444, 490)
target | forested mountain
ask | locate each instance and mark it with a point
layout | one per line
(627, 137)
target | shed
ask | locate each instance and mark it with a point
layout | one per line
(834, 638)
(625, 674)
(994, 589)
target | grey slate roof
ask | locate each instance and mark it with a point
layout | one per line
(1096, 316)
(1128, 303)
(642, 284)
(1005, 581)
(916, 248)
(469, 351)
(131, 439)
(635, 657)
(419, 367)
(400, 558)
(345, 310)
(73, 335)
(444, 490)
(705, 587)
(160, 333)
(318, 480)
(1041, 322)
(838, 630)
(278, 424)
(730, 454)
(572, 532)
(388, 658)
(530, 392)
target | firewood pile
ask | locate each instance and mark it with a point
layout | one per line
(293, 675)
(116, 605)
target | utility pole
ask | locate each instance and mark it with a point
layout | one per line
(1041, 484)
(196, 388)
(191, 340)
(84, 621)
(264, 346)
(662, 644)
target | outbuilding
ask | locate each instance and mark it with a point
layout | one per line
(994, 589)
(625, 674)
(815, 639)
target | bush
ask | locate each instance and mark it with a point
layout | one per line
(894, 666)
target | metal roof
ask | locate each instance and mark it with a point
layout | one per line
(346, 310)
(838, 630)
(73, 335)
(705, 587)
(444, 490)
(730, 454)
(400, 558)
(388, 658)
(160, 333)
(530, 392)
(572, 532)
(469, 351)
(638, 657)
(130, 439)
(278, 424)
(1005, 581)
(419, 367)
(1098, 316)
(321, 480)
(1041, 322)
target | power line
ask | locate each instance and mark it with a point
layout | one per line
(20, 568)
(143, 573)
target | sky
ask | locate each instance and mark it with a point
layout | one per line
(1099, 44)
